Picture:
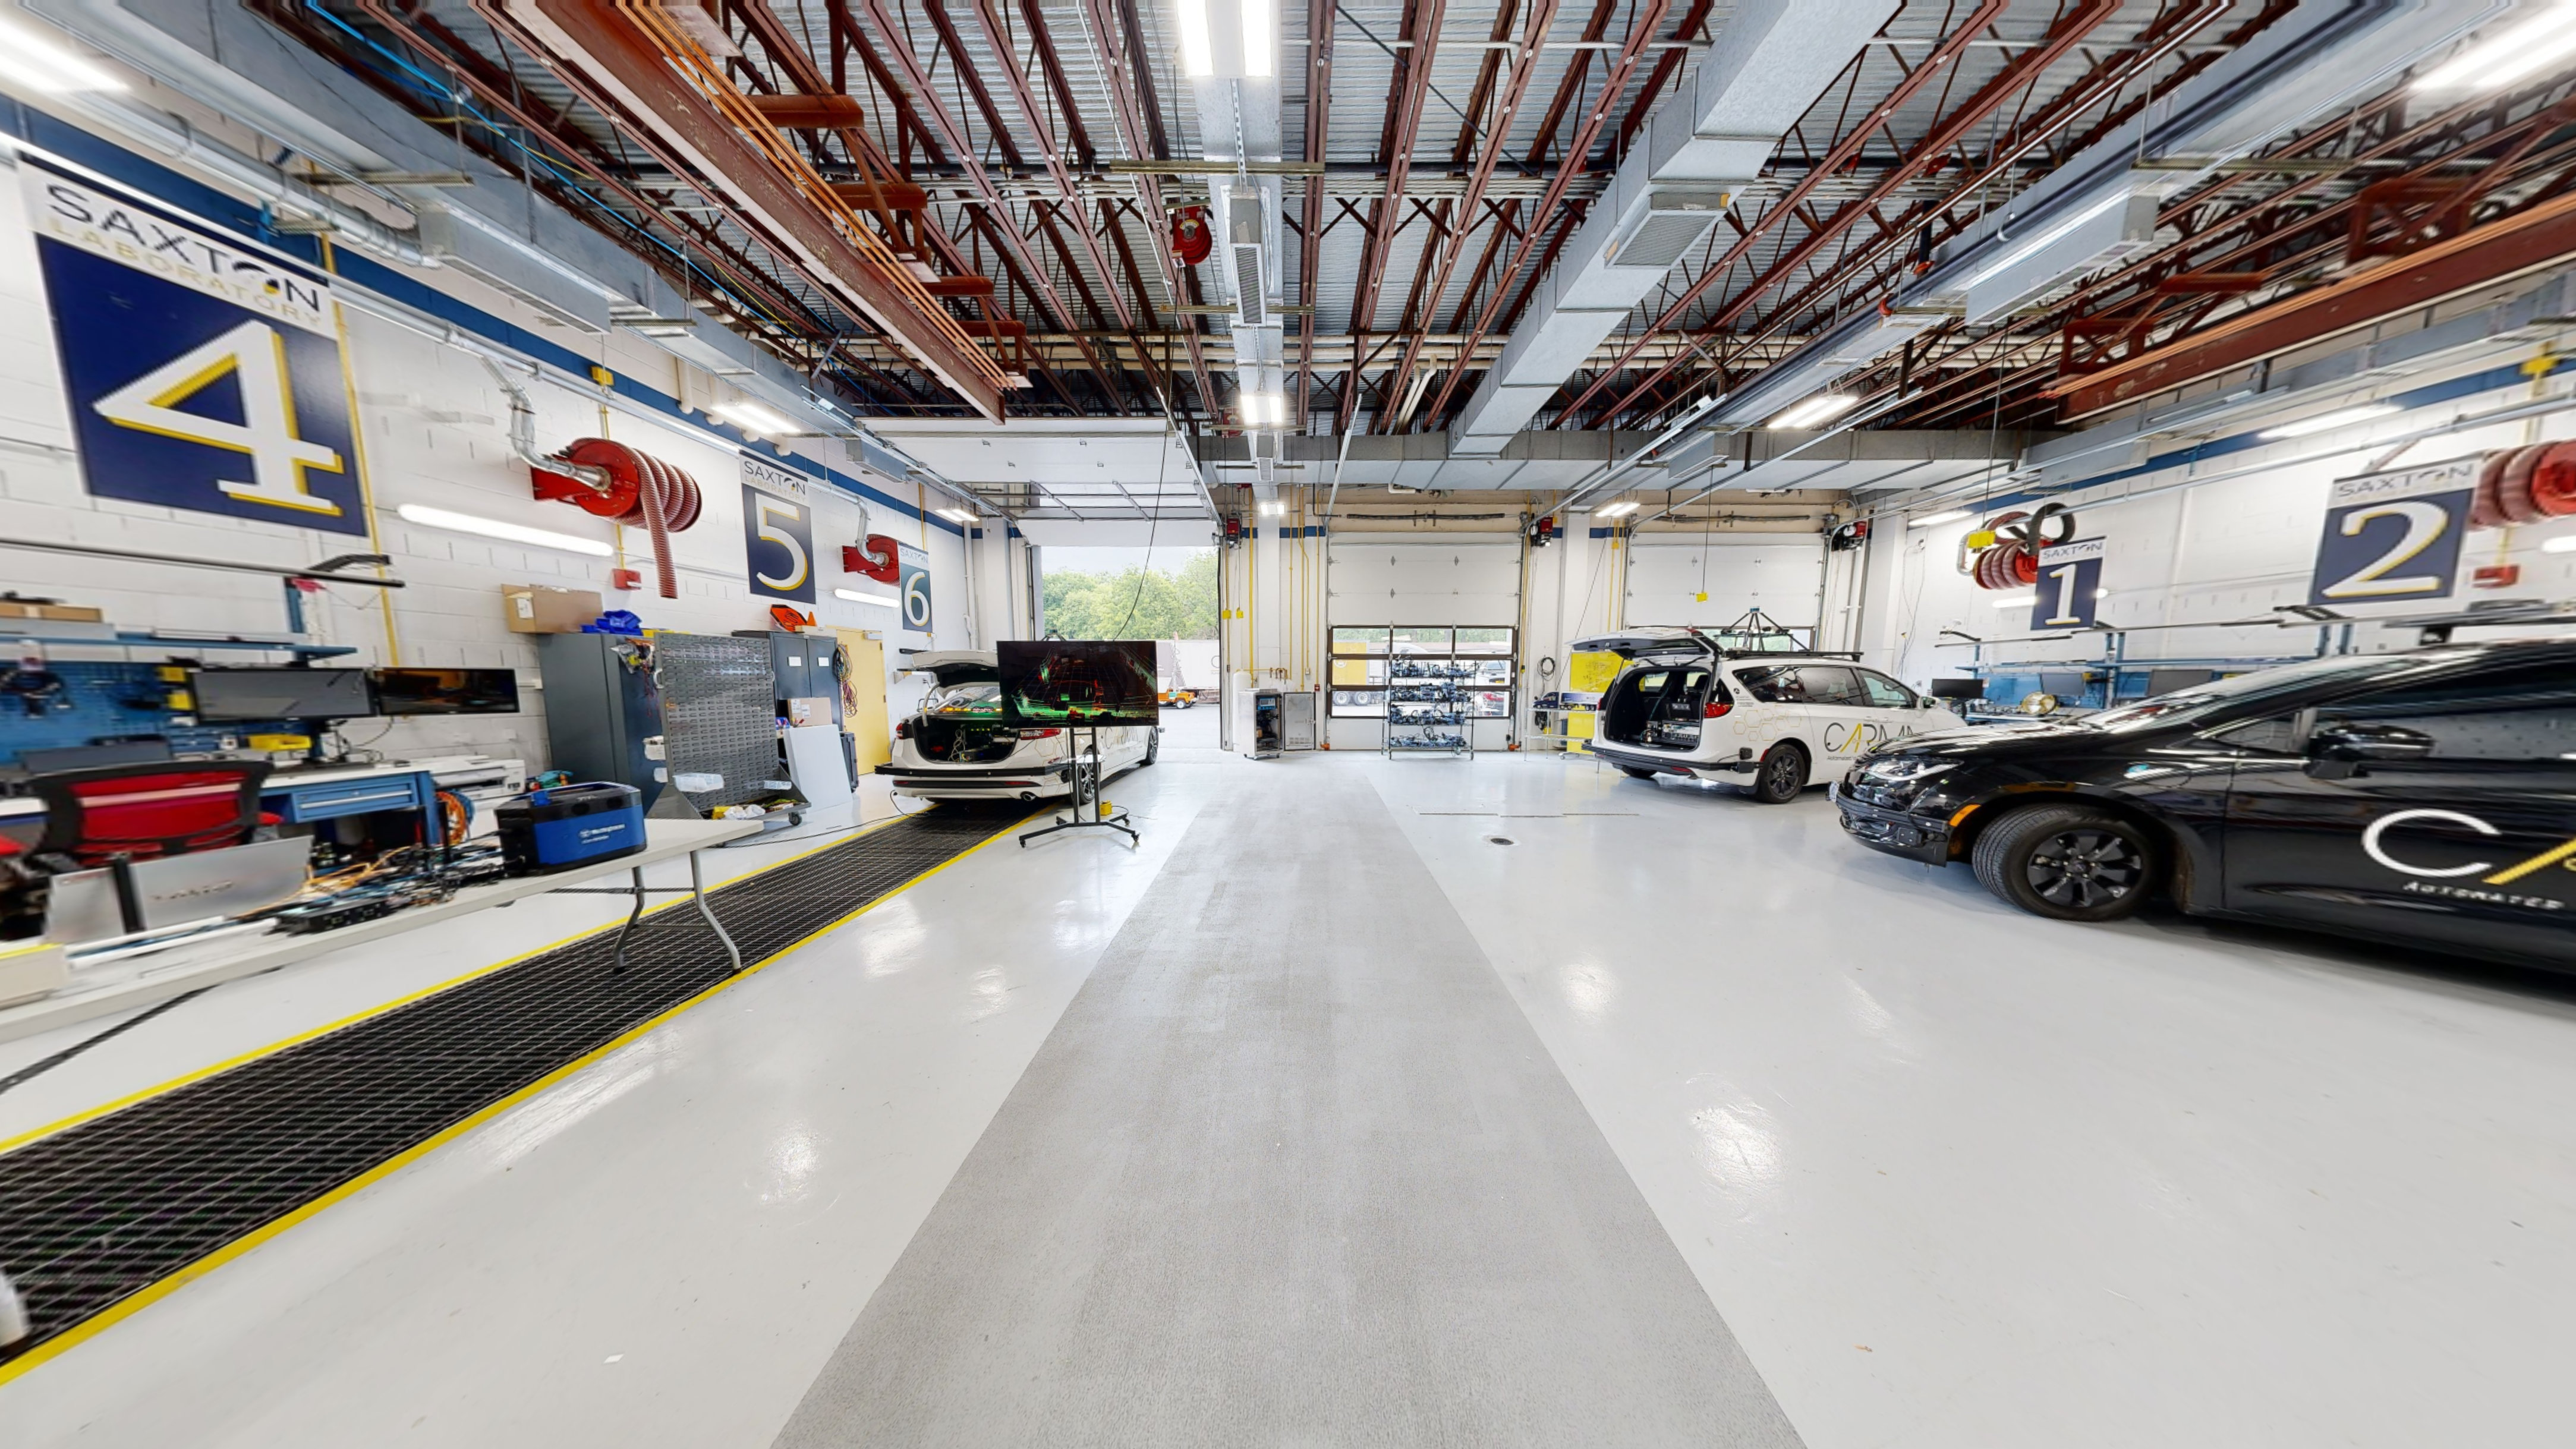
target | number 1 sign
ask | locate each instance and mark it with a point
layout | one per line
(2070, 575)
(2394, 535)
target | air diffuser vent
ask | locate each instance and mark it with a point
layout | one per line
(1248, 302)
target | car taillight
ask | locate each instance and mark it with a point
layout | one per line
(903, 729)
(1039, 734)
(1715, 708)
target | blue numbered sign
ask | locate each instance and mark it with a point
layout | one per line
(2394, 535)
(204, 372)
(2070, 578)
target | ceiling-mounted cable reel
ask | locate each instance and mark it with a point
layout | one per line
(2004, 554)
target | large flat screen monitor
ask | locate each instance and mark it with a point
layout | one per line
(447, 691)
(1077, 682)
(282, 694)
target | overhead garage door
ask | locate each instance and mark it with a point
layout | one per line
(1426, 583)
(1784, 577)
(1450, 605)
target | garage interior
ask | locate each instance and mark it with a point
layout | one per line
(1877, 742)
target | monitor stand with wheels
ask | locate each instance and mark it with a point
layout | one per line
(1086, 798)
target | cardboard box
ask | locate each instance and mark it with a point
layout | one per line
(545, 609)
(68, 613)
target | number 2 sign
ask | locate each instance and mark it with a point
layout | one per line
(2394, 535)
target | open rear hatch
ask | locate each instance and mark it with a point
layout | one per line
(960, 720)
(1659, 704)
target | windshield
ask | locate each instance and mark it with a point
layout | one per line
(2184, 706)
(983, 697)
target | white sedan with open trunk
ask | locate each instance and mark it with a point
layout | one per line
(955, 747)
(1767, 721)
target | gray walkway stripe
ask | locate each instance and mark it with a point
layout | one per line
(1292, 1170)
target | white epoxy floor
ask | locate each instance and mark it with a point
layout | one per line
(1952, 1175)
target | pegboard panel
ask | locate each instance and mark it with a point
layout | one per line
(719, 713)
(111, 701)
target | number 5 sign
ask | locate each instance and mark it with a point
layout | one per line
(2394, 535)
(778, 546)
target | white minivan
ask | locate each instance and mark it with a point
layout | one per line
(1770, 722)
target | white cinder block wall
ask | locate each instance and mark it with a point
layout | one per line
(2227, 549)
(433, 426)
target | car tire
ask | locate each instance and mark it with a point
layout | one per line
(1635, 772)
(2068, 862)
(1782, 775)
(1153, 747)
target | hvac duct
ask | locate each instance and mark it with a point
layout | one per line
(1765, 69)
(2098, 210)
(2094, 210)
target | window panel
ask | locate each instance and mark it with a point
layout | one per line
(2521, 715)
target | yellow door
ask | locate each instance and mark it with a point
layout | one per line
(863, 698)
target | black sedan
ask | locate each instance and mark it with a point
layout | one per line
(2426, 796)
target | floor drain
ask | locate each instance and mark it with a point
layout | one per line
(1498, 839)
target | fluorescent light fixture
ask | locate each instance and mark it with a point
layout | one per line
(958, 516)
(2328, 422)
(1263, 409)
(428, 517)
(855, 596)
(2020, 254)
(41, 65)
(2016, 601)
(1620, 509)
(1197, 58)
(1257, 25)
(1273, 509)
(1816, 411)
(1935, 520)
(751, 417)
(2564, 544)
(2508, 57)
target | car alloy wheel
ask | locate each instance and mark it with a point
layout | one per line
(2084, 869)
(1782, 775)
(2068, 862)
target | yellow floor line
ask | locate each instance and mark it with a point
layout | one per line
(227, 1064)
(141, 1298)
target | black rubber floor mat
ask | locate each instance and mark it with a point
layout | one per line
(98, 1212)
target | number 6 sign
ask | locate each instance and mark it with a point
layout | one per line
(2394, 535)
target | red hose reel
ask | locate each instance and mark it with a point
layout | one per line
(2525, 485)
(2011, 559)
(640, 489)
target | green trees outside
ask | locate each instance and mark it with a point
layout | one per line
(1135, 603)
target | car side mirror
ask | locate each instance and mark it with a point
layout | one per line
(2347, 743)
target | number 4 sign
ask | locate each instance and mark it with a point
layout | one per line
(2394, 535)
(2070, 575)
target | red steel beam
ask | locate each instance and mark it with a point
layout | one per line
(1409, 89)
(609, 51)
(2105, 80)
(2026, 67)
(961, 149)
(1115, 31)
(1320, 15)
(1524, 63)
(2528, 241)
(1578, 152)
